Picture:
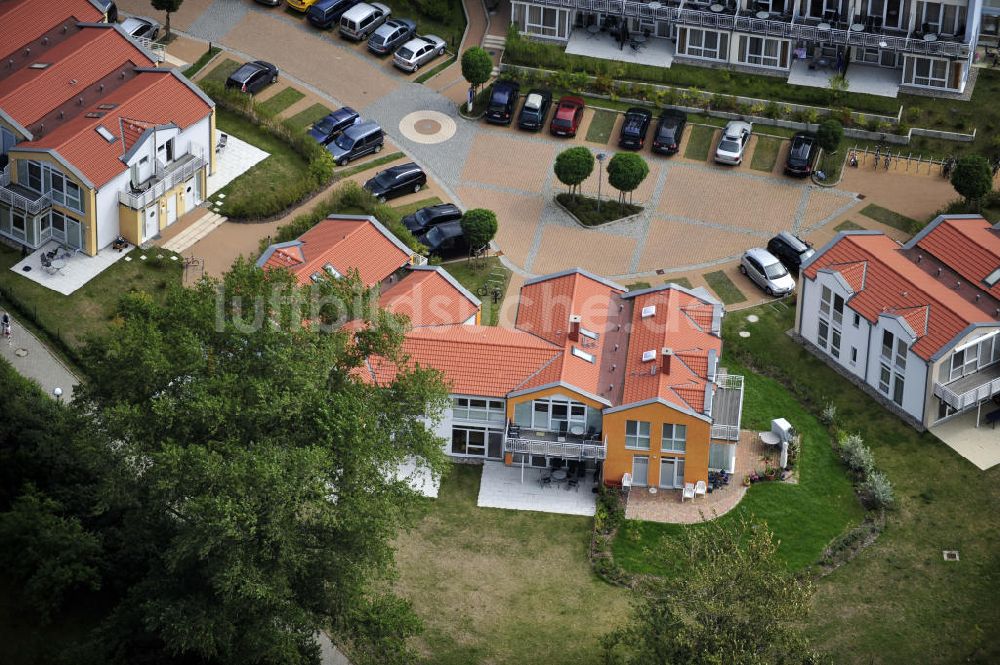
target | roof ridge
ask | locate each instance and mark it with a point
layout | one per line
(560, 353)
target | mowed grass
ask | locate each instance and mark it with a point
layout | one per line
(804, 516)
(724, 288)
(848, 225)
(638, 286)
(281, 101)
(899, 601)
(303, 119)
(503, 586)
(601, 125)
(890, 218)
(370, 163)
(473, 275)
(222, 71)
(699, 142)
(683, 281)
(200, 63)
(765, 154)
(411, 208)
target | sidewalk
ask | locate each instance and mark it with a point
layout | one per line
(33, 360)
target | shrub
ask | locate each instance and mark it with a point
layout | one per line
(856, 455)
(479, 225)
(477, 66)
(876, 491)
(809, 115)
(829, 134)
(913, 113)
(829, 414)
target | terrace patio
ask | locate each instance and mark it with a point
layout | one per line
(604, 45)
(70, 271)
(980, 445)
(866, 79)
(518, 488)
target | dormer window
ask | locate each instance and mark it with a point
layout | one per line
(649, 356)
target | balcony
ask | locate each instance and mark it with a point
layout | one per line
(551, 444)
(727, 407)
(166, 178)
(970, 390)
(21, 198)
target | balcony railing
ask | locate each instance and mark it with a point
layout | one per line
(970, 397)
(20, 197)
(727, 407)
(564, 449)
(154, 48)
(782, 27)
(165, 180)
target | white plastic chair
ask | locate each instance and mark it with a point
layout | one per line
(687, 492)
(700, 488)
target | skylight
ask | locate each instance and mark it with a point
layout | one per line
(589, 357)
(38, 65)
(588, 333)
(333, 271)
(647, 356)
(648, 311)
(105, 134)
(993, 277)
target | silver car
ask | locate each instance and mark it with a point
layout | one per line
(765, 270)
(735, 138)
(418, 51)
(141, 27)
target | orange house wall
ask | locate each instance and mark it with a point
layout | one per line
(549, 392)
(619, 460)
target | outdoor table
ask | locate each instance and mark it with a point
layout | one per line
(858, 27)
(559, 475)
(654, 6)
(823, 26)
(930, 38)
(576, 430)
(639, 39)
(716, 8)
(58, 265)
(593, 29)
(763, 15)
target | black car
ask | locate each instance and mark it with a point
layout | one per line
(503, 100)
(393, 33)
(425, 218)
(445, 240)
(669, 131)
(330, 127)
(396, 181)
(536, 107)
(634, 128)
(790, 249)
(802, 155)
(253, 77)
(326, 13)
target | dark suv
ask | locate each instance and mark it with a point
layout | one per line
(326, 13)
(425, 218)
(329, 127)
(503, 99)
(445, 240)
(634, 128)
(535, 108)
(669, 131)
(790, 250)
(801, 155)
(396, 181)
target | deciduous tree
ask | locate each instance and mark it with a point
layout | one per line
(829, 134)
(477, 66)
(573, 166)
(626, 171)
(479, 225)
(168, 6)
(972, 178)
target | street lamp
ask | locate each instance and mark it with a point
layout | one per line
(601, 156)
(58, 393)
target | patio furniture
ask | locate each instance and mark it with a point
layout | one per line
(545, 479)
(221, 145)
(930, 37)
(762, 15)
(573, 482)
(687, 492)
(769, 438)
(58, 265)
(992, 417)
(824, 27)
(858, 27)
(558, 463)
(700, 489)
(715, 9)
(593, 30)
(559, 475)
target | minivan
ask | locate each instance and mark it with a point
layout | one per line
(356, 141)
(790, 249)
(326, 13)
(363, 19)
(503, 99)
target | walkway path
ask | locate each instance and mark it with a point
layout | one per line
(33, 360)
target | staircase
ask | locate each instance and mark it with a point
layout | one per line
(194, 233)
(495, 46)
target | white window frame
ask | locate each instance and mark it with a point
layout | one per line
(478, 409)
(637, 434)
(576, 414)
(719, 52)
(674, 438)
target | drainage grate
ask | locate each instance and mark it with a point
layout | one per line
(950, 555)
(661, 271)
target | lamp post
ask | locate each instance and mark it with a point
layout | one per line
(601, 156)
(58, 393)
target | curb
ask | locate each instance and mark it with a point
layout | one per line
(629, 218)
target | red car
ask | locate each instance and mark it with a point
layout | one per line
(569, 114)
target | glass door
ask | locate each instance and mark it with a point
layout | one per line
(640, 470)
(494, 448)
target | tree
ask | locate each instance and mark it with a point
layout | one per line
(829, 134)
(477, 66)
(573, 166)
(168, 6)
(626, 171)
(727, 599)
(972, 178)
(479, 225)
(839, 85)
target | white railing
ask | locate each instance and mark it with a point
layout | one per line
(730, 431)
(727, 432)
(964, 400)
(15, 200)
(565, 449)
(170, 179)
(729, 381)
(155, 49)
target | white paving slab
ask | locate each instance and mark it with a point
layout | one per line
(79, 268)
(234, 160)
(501, 487)
(419, 478)
(980, 445)
(867, 79)
(655, 51)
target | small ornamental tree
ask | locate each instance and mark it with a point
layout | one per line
(168, 6)
(829, 134)
(573, 166)
(479, 225)
(972, 178)
(626, 171)
(477, 67)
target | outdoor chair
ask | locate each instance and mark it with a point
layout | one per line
(700, 489)
(573, 482)
(545, 479)
(563, 428)
(687, 492)
(221, 145)
(558, 463)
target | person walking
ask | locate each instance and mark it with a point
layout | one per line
(5, 327)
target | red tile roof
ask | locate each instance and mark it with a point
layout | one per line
(78, 142)
(970, 247)
(360, 244)
(429, 298)
(24, 21)
(894, 284)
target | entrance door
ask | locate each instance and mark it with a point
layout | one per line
(171, 209)
(494, 442)
(672, 473)
(152, 222)
(640, 470)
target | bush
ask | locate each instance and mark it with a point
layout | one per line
(479, 225)
(876, 491)
(856, 455)
(829, 134)
(829, 414)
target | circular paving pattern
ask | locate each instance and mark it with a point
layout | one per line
(427, 127)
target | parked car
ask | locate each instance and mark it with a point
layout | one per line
(363, 19)
(801, 154)
(735, 138)
(669, 131)
(767, 272)
(444, 240)
(425, 218)
(391, 34)
(790, 249)
(325, 14)
(535, 108)
(253, 76)
(418, 51)
(330, 126)
(301, 5)
(356, 141)
(110, 10)
(503, 101)
(396, 181)
(634, 128)
(269, 3)
(141, 27)
(568, 115)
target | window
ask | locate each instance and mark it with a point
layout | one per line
(674, 438)
(45, 179)
(822, 334)
(542, 21)
(825, 300)
(637, 434)
(857, 320)
(34, 177)
(470, 408)
(19, 225)
(901, 350)
(552, 414)
(887, 344)
(854, 355)
(583, 355)
(926, 72)
(835, 343)
(705, 44)
(468, 441)
(763, 52)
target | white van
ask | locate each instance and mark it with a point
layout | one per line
(362, 19)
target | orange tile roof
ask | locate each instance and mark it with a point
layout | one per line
(345, 242)
(896, 285)
(969, 246)
(429, 298)
(73, 66)
(26, 20)
(475, 360)
(145, 96)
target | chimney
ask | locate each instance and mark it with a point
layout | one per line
(665, 354)
(574, 327)
(939, 272)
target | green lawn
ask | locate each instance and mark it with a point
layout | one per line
(638, 286)
(281, 101)
(848, 225)
(448, 23)
(765, 154)
(591, 212)
(601, 125)
(473, 275)
(440, 67)
(890, 218)
(303, 119)
(503, 586)
(898, 602)
(699, 142)
(222, 71)
(411, 208)
(198, 64)
(683, 281)
(348, 171)
(724, 288)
